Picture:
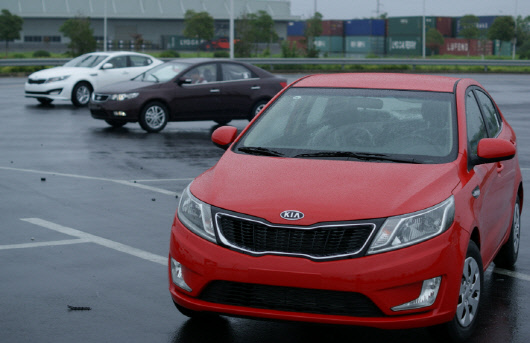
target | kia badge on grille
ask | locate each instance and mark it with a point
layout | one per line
(292, 215)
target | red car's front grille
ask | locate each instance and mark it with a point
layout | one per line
(319, 242)
(290, 299)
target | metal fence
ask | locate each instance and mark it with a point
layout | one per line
(485, 63)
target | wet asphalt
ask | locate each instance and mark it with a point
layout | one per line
(86, 212)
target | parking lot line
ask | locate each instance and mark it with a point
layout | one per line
(121, 182)
(43, 244)
(98, 240)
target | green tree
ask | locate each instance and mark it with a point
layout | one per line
(246, 35)
(81, 35)
(434, 39)
(503, 29)
(469, 28)
(313, 29)
(263, 26)
(198, 25)
(522, 30)
(10, 27)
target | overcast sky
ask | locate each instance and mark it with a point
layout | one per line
(352, 9)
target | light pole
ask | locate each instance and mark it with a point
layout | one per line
(515, 33)
(105, 27)
(231, 35)
(423, 33)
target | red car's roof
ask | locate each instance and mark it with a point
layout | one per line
(380, 81)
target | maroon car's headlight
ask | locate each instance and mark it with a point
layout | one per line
(123, 96)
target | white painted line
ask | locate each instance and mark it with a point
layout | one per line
(98, 240)
(122, 182)
(164, 180)
(511, 274)
(43, 244)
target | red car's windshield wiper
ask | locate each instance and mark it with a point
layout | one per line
(259, 151)
(360, 156)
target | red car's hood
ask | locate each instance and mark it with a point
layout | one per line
(324, 190)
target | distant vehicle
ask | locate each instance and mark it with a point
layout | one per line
(186, 90)
(77, 79)
(218, 44)
(363, 199)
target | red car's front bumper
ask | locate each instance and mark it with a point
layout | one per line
(386, 279)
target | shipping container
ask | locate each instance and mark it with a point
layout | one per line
(409, 26)
(364, 45)
(365, 27)
(297, 42)
(501, 48)
(327, 44)
(404, 46)
(172, 42)
(444, 25)
(296, 28)
(484, 23)
(332, 28)
(466, 47)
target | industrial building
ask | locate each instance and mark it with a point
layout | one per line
(159, 22)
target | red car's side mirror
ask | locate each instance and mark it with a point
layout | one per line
(224, 136)
(495, 150)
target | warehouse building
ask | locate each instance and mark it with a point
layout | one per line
(160, 23)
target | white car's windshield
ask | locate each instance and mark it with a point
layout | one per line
(356, 124)
(86, 61)
(163, 72)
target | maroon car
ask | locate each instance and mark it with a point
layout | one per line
(187, 90)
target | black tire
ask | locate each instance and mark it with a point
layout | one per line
(81, 94)
(509, 252)
(462, 326)
(154, 117)
(44, 101)
(257, 108)
(115, 123)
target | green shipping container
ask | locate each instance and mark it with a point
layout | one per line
(409, 26)
(404, 46)
(364, 45)
(501, 48)
(180, 43)
(329, 44)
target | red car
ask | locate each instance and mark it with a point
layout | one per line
(364, 199)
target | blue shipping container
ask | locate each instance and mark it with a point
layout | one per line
(296, 28)
(364, 27)
(484, 23)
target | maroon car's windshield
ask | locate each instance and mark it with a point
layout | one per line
(407, 126)
(163, 72)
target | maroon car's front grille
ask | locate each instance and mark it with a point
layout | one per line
(290, 299)
(321, 242)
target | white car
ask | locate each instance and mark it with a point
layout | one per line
(77, 79)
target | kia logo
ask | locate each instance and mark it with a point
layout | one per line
(292, 215)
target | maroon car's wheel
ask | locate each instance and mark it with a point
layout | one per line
(154, 117)
(257, 108)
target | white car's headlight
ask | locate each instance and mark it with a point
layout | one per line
(57, 78)
(123, 96)
(196, 215)
(401, 231)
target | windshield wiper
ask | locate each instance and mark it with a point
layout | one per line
(259, 151)
(360, 156)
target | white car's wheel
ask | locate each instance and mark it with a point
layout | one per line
(81, 94)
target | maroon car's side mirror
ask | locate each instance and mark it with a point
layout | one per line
(224, 136)
(495, 150)
(184, 81)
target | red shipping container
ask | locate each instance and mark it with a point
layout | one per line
(332, 28)
(444, 25)
(466, 47)
(298, 42)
